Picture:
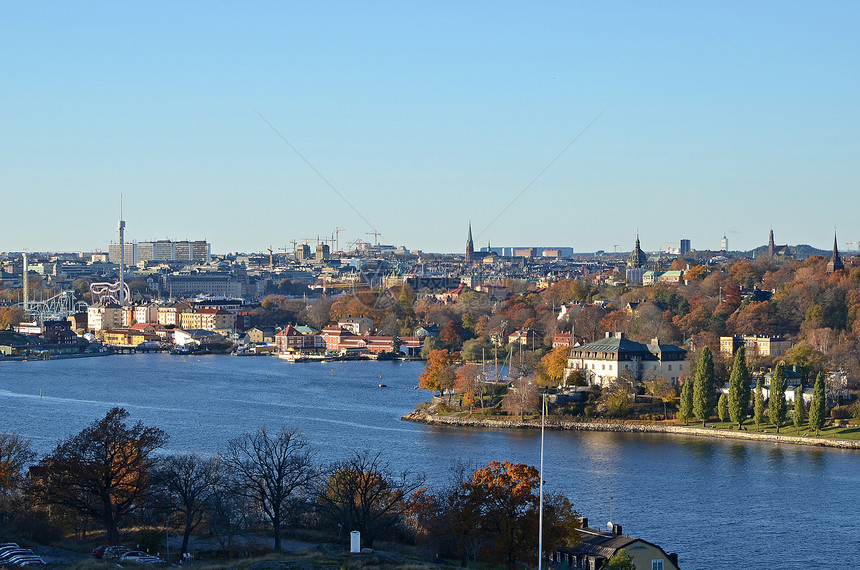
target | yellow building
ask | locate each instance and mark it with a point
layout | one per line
(760, 345)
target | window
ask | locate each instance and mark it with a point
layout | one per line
(670, 368)
(656, 565)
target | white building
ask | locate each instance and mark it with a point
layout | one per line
(617, 357)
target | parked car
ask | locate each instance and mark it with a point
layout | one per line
(21, 557)
(140, 557)
(99, 551)
(27, 561)
(114, 552)
(9, 553)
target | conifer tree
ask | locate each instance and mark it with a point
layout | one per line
(704, 389)
(722, 407)
(685, 409)
(777, 408)
(816, 407)
(798, 408)
(739, 388)
(759, 404)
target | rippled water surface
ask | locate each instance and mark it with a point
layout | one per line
(719, 504)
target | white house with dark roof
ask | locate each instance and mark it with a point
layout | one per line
(617, 357)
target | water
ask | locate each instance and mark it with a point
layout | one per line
(717, 503)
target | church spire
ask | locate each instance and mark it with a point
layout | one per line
(835, 264)
(470, 246)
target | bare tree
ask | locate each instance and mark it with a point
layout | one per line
(186, 485)
(272, 469)
(363, 494)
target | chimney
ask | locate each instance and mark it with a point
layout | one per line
(655, 341)
(616, 530)
(584, 522)
(608, 334)
(673, 558)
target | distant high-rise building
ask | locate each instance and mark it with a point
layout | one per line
(724, 244)
(303, 252)
(130, 253)
(322, 252)
(167, 250)
(685, 247)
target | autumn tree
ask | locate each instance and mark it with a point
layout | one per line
(662, 389)
(102, 472)
(273, 469)
(704, 389)
(758, 411)
(186, 485)
(551, 367)
(777, 407)
(495, 515)
(739, 388)
(364, 494)
(615, 399)
(469, 382)
(452, 334)
(817, 406)
(438, 375)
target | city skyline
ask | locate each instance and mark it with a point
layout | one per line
(547, 125)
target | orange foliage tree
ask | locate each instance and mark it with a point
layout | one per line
(438, 374)
(495, 515)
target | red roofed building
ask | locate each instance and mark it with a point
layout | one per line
(334, 336)
(382, 344)
(288, 338)
(562, 339)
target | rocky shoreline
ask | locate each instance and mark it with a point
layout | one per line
(422, 416)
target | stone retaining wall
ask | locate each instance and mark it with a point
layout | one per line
(629, 427)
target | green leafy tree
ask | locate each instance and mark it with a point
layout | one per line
(798, 408)
(739, 388)
(758, 412)
(777, 407)
(685, 409)
(704, 388)
(816, 407)
(723, 407)
(620, 561)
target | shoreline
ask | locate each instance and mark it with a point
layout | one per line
(420, 416)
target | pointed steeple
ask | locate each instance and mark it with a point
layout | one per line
(470, 246)
(835, 264)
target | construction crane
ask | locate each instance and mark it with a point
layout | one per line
(336, 234)
(375, 235)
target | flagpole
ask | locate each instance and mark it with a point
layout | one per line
(540, 493)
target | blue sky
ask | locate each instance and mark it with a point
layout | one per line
(712, 118)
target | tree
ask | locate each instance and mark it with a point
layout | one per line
(620, 561)
(723, 407)
(551, 367)
(777, 407)
(15, 455)
(614, 399)
(799, 408)
(685, 409)
(468, 381)
(817, 406)
(364, 495)
(187, 485)
(758, 412)
(522, 397)
(438, 374)
(663, 389)
(739, 388)
(704, 389)
(495, 515)
(452, 334)
(272, 469)
(102, 472)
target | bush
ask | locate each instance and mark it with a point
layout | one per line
(840, 413)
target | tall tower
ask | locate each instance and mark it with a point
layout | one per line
(26, 280)
(470, 246)
(121, 256)
(637, 257)
(771, 248)
(835, 264)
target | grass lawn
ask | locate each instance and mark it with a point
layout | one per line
(848, 432)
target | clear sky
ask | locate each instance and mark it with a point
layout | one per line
(712, 118)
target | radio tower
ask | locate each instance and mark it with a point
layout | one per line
(121, 256)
